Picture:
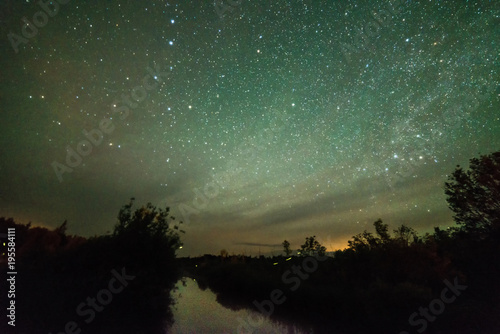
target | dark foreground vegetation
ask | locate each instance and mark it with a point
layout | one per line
(118, 283)
(400, 282)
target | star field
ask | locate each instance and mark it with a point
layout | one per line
(255, 122)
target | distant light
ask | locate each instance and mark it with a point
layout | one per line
(171, 43)
(172, 21)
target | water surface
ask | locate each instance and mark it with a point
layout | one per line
(197, 311)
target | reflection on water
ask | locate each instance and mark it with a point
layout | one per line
(197, 311)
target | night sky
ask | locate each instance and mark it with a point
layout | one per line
(254, 121)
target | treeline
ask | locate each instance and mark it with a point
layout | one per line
(383, 282)
(116, 283)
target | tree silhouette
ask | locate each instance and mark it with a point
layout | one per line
(147, 223)
(286, 248)
(363, 241)
(405, 235)
(312, 247)
(146, 240)
(382, 230)
(474, 195)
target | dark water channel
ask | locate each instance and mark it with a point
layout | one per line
(197, 311)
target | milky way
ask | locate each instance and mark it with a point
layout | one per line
(254, 122)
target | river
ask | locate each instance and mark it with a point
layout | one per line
(197, 311)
